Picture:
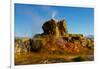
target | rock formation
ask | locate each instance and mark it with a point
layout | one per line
(62, 27)
(55, 38)
(49, 27)
(52, 27)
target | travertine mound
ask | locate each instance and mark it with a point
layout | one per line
(55, 39)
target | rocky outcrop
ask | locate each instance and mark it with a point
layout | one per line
(62, 27)
(49, 27)
(22, 45)
(52, 27)
(55, 38)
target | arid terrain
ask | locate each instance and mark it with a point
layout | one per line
(54, 45)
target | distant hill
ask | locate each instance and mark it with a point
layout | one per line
(90, 36)
(22, 37)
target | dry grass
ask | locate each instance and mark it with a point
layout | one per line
(43, 58)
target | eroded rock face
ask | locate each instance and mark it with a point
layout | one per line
(22, 45)
(49, 27)
(62, 27)
(36, 45)
(52, 27)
